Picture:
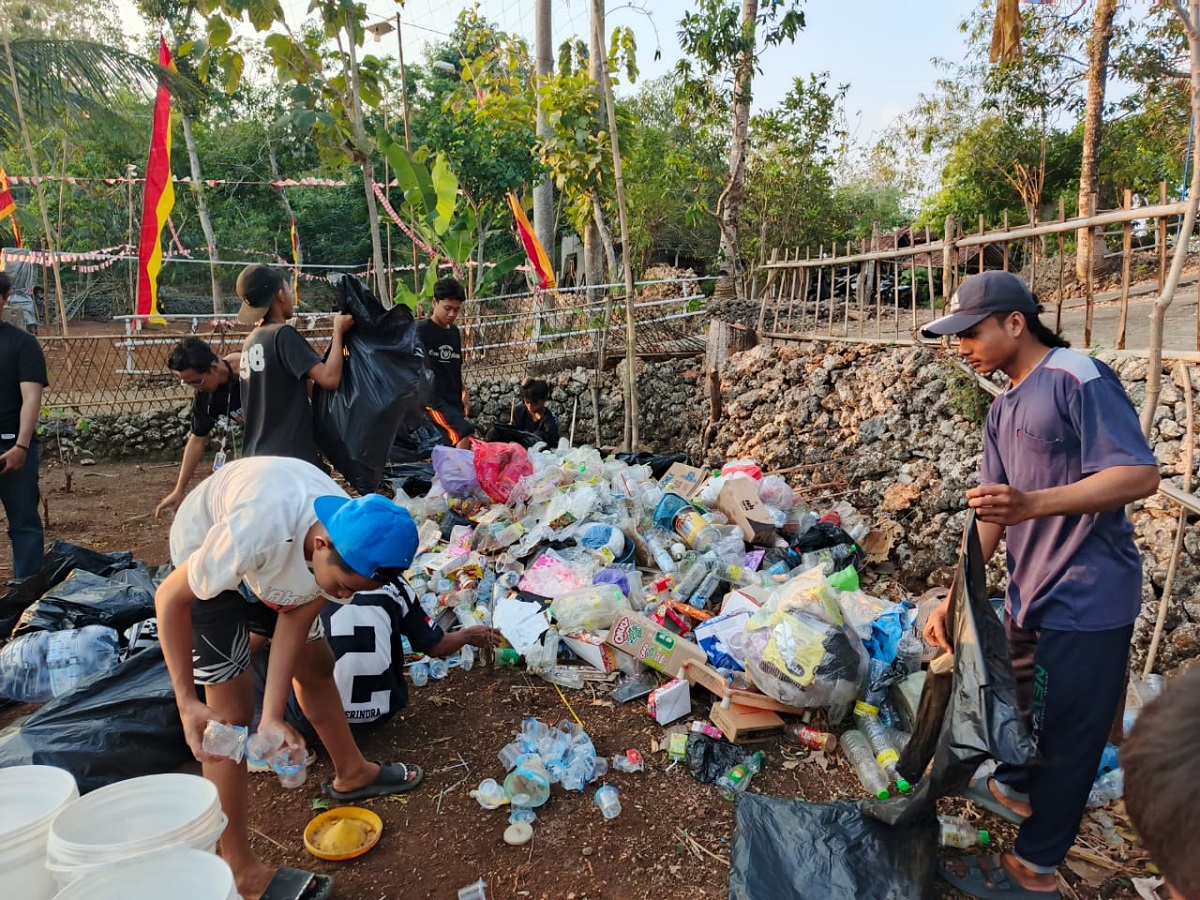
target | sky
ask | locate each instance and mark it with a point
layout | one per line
(879, 47)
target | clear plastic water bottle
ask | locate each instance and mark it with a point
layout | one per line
(466, 657)
(881, 744)
(955, 831)
(737, 779)
(662, 558)
(40, 665)
(1107, 788)
(862, 759)
(703, 594)
(688, 580)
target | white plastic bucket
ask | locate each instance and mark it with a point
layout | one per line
(30, 798)
(190, 874)
(132, 819)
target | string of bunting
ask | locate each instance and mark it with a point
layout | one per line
(382, 197)
(186, 179)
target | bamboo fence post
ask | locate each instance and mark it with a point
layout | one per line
(804, 284)
(1006, 242)
(979, 249)
(795, 288)
(1161, 239)
(1126, 268)
(846, 307)
(820, 278)
(948, 265)
(1062, 263)
(767, 287)
(896, 285)
(1090, 306)
(779, 296)
(875, 280)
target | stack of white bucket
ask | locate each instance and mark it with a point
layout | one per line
(110, 843)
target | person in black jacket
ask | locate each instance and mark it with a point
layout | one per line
(533, 416)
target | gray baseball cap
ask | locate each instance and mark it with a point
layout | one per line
(978, 297)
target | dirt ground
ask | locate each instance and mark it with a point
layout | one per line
(671, 842)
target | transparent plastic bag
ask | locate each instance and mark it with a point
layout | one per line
(455, 471)
(590, 609)
(860, 610)
(774, 491)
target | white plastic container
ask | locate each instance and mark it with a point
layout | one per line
(30, 798)
(191, 874)
(132, 819)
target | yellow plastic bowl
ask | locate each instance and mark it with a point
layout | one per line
(342, 833)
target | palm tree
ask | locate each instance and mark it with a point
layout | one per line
(42, 78)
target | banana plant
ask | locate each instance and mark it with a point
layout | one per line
(443, 220)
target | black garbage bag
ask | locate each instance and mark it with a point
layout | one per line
(970, 714)
(414, 478)
(84, 598)
(708, 759)
(415, 439)
(58, 563)
(384, 380)
(788, 849)
(658, 464)
(119, 725)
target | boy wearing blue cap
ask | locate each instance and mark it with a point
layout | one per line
(297, 540)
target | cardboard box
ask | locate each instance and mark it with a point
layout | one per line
(685, 481)
(707, 677)
(748, 598)
(652, 644)
(739, 501)
(592, 649)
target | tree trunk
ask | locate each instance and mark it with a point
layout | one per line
(363, 149)
(1089, 170)
(1191, 22)
(593, 252)
(631, 390)
(210, 237)
(729, 206)
(606, 241)
(283, 197)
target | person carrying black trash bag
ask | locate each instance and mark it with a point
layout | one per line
(1063, 455)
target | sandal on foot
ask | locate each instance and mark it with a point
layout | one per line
(392, 779)
(296, 884)
(987, 879)
(981, 795)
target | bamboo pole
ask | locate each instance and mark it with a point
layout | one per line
(1090, 255)
(948, 264)
(846, 309)
(779, 295)
(1126, 269)
(1161, 239)
(1005, 245)
(1062, 263)
(767, 288)
(979, 261)
(896, 287)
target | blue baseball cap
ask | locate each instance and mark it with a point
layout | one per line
(375, 537)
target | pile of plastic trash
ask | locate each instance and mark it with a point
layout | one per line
(596, 570)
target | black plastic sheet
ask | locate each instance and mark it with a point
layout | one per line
(792, 850)
(708, 759)
(60, 560)
(384, 381)
(119, 725)
(84, 598)
(658, 464)
(969, 715)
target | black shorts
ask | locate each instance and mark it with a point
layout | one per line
(450, 422)
(221, 629)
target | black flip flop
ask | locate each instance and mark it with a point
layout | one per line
(987, 879)
(296, 884)
(392, 779)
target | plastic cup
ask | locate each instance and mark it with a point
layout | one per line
(489, 794)
(509, 754)
(476, 891)
(419, 673)
(608, 799)
(289, 766)
(438, 669)
(225, 740)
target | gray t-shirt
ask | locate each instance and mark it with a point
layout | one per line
(278, 414)
(1068, 419)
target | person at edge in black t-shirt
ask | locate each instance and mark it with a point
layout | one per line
(277, 363)
(216, 407)
(443, 353)
(22, 379)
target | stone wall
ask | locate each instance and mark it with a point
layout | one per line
(894, 431)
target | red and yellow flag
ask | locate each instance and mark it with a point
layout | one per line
(8, 206)
(295, 264)
(158, 199)
(533, 247)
